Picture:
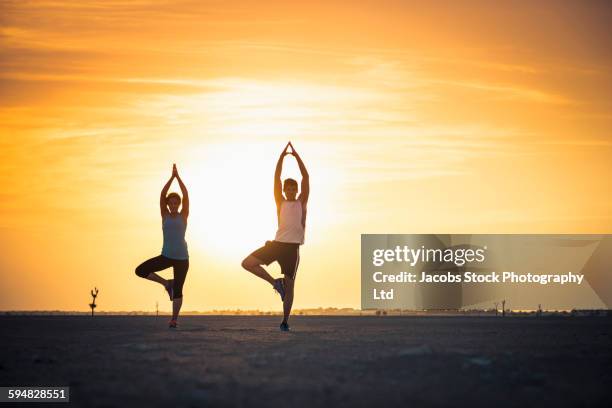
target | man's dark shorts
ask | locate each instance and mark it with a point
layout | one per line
(285, 253)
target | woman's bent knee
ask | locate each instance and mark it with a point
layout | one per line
(142, 272)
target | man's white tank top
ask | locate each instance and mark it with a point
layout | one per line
(290, 226)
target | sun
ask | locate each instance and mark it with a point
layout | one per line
(232, 209)
(232, 205)
(231, 176)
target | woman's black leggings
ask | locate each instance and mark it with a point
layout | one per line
(160, 263)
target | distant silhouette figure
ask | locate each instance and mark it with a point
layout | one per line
(93, 305)
(174, 251)
(285, 249)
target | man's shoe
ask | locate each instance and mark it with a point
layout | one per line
(279, 286)
(284, 327)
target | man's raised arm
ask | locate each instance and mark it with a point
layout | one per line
(278, 185)
(305, 187)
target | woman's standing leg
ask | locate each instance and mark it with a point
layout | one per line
(180, 273)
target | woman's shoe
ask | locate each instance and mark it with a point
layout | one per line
(169, 288)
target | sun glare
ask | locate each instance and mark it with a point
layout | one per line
(232, 207)
(232, 201)
(231, 180)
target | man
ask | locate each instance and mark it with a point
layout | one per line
(285, 249)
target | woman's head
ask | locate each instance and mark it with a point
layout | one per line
(173, 201)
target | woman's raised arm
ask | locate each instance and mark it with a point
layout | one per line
(163, 206)
(185, 202)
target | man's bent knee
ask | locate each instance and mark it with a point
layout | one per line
(249, 262)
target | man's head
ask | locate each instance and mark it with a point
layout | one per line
(290, 188)
(173, 201)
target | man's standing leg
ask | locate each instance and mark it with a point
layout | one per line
(289, 266)
(288, 301)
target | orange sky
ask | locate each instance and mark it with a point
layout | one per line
(411, 117)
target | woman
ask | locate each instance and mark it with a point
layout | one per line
(174, 251)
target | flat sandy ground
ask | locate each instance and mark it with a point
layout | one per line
(113, 361)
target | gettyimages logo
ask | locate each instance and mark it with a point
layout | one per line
(454, 271)
(411, 256)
